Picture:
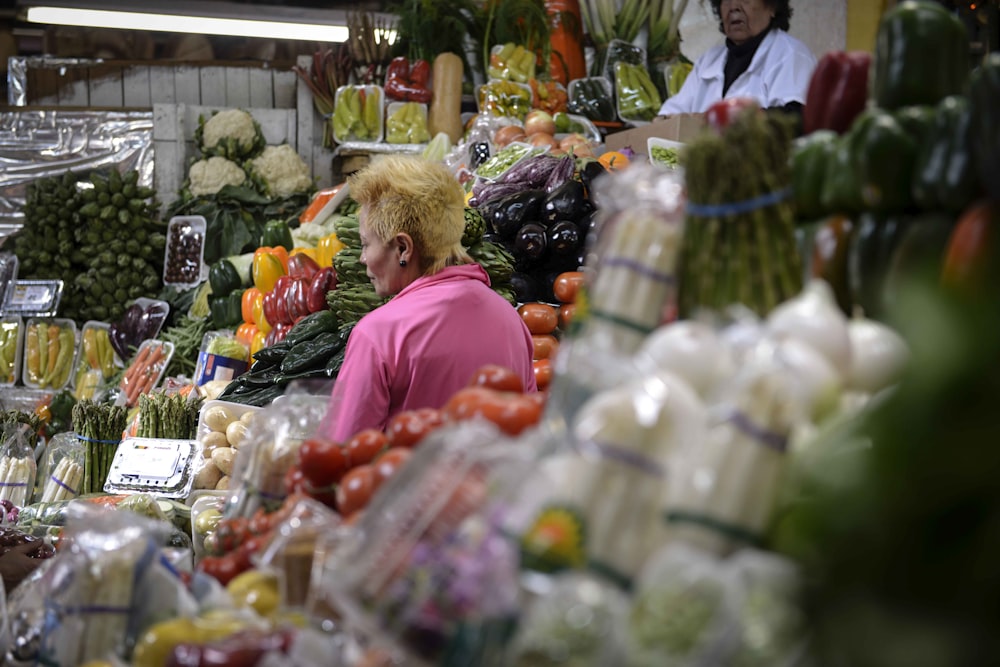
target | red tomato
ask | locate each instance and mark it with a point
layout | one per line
(468, 403)
(355, 489)
(389, 462)
(497, 377)
(223, 568)
(567, 285)
(544, 346)
(408, 428)
(323, 462)
(541, 318)
(518, 413)
(566, 313)
(260, 522)
(364, 446)
(543, 373)
(723, 112)
(231, 533)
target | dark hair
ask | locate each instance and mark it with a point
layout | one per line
(782, 13)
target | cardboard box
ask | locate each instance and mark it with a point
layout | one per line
(681, 127)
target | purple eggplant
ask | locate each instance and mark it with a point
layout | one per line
(151, 321)
(119, 340)
(533, 170)
(562, 172)
(510, 213)
(491, 192)
(564, 237)
(531, 240)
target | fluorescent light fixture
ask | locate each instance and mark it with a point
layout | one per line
(203, 18)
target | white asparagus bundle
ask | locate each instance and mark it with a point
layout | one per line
(64, 482)
(17, 477)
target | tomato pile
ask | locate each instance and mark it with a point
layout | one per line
(543, 320)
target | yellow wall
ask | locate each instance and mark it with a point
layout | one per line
(862, 22)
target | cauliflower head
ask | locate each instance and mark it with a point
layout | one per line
(231, 133)
(207, 177)
(281, 171)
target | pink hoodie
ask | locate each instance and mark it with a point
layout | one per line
(423, 346)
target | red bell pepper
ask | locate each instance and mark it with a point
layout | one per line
(838, 91)
(405, 83)
(296, 300)
(281, 330)
(301, 265)
(722, 113)
(321, 283)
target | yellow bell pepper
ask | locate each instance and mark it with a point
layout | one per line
(268, 267)
(327, 248)
(257, 343)
(255, 589)
(258, 315)
(154, 646)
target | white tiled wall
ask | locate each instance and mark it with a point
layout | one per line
(821, 24)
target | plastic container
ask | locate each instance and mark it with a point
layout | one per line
(620, 50)
(8, 273)
(215, 428)
(512, 62)
(39, 298)
(145, 371)
(36, 372)
(221, 358)
(96, 361)
(584, 90)
(406, 123)
(504, 98)
(655, 148)
(647, 105)
(184, 254)
(586, 128)
(153, 465)
(354, 115)
(504, 160)
(11, 349)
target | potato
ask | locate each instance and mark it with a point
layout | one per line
(223, 484)
(217, 417)
(223, 458)
(208, 477)
(212, 441)
(248, 417)
(236, 433)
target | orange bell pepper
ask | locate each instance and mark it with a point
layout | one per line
(245, 333)
(246, 304)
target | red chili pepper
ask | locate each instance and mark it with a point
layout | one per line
(397, 79)
(321, 283)
(418, 94)
(838, 91)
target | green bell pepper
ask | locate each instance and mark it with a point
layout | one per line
(868, 259)
(919, 253)
(945, 176)
(277, 233)
(921, 55)
(223, 278)
(842, 186)
(917, 121)
(226, 311)
(984, 97)
(885, 155)
(811, 160)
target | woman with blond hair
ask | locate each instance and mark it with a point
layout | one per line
(443, 321)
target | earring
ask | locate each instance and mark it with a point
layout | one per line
(402, 262)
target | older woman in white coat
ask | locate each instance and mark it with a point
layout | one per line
(759, 60)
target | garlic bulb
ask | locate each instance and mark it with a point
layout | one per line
(814, 318)
(878, 355)
(689, 349)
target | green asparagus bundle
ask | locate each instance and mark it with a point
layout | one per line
(739, 240)
(99, 426)
(162, 416)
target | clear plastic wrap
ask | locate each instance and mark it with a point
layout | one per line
(406, 123)
(11, 349)
(427, 571)
(271, 448)
(145, 371)
(579, 620)
(206, 512)
(184, 252)
(681, 610)
(499, 97)
(221, 357)
(17, 466)
(104, 587)
(512, 62)
(358, 114)
(725, 490)
(62, 469)
(50, 347)
(96, 361)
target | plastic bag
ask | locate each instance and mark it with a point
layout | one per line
(427, 570)
(63, 468)
(270, 449)
(221, 357)
(98, 594)
(17, 466)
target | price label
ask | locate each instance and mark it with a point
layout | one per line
(34, 296)
(152, 459)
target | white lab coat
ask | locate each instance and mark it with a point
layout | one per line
(778, 74)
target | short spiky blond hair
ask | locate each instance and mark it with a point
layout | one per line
(417, 197)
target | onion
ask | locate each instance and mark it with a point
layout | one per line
(690, 349)
(814, 318)
(878, 355)
(818, 381)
